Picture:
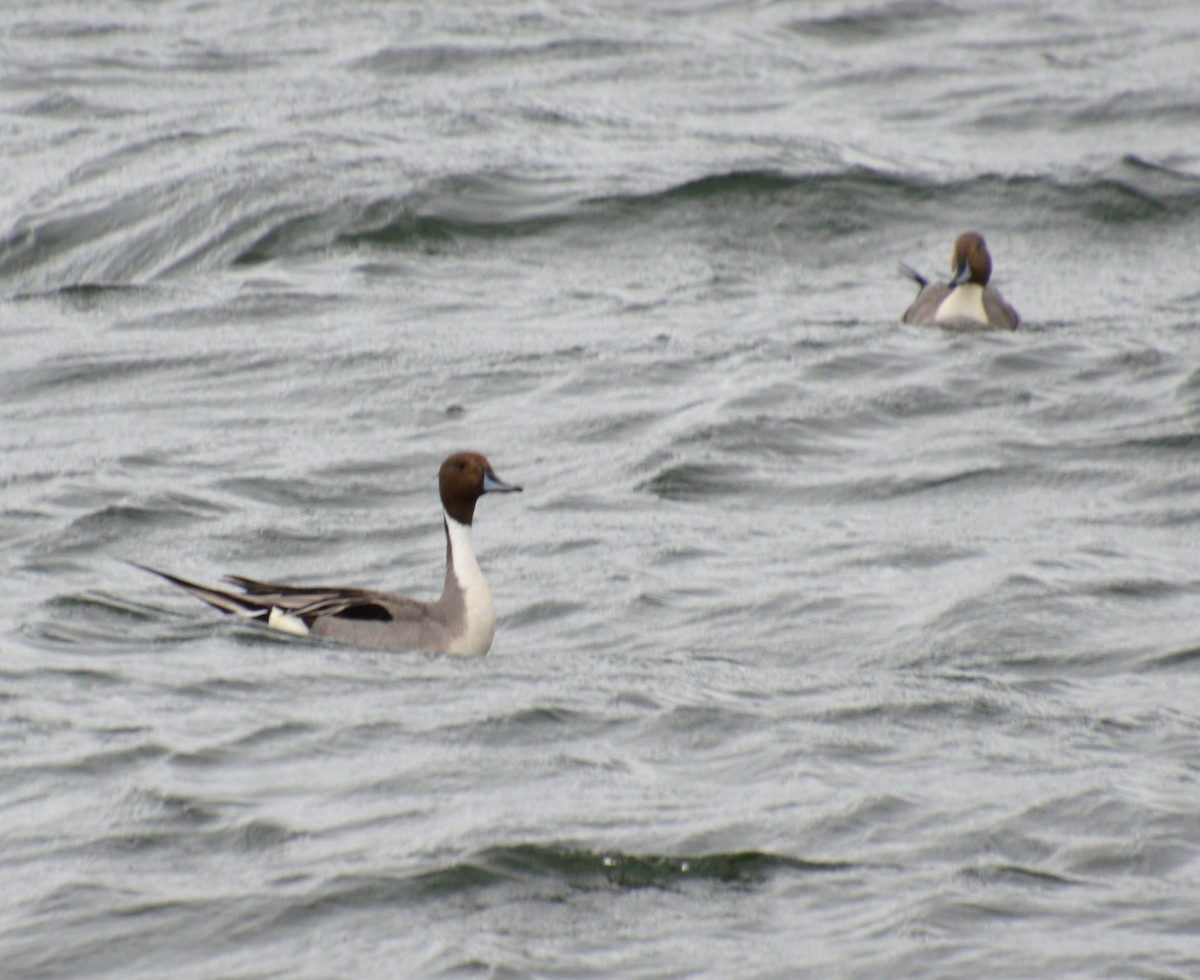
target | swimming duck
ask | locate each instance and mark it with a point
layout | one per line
(966, 301)
(462, 621)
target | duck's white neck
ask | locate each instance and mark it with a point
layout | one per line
(964, 302)
(478, 608)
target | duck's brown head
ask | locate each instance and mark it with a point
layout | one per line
(971, 261)
(463, 479)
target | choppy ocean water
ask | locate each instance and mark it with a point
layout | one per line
(827, 646)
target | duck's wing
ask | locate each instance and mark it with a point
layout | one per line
(999, 312)
(924, 308)
(311, 602)
(929, 296)
(298, 609)
(314, 599)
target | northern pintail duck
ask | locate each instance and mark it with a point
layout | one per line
(966, 300)
(462, 621)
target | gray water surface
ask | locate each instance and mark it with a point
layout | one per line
(827, 646)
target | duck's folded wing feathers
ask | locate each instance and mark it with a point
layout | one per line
(999, 311)
(924, 308)
(257, 588)
(307, 603)
(311, 602)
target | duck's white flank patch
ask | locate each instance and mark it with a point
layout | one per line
(285, 622)
(480, 612)
(964, 301)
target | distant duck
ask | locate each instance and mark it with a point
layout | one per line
(462, 621)
(966, 301)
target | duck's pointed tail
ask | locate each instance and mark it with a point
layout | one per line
(910, 273)
(227, 602)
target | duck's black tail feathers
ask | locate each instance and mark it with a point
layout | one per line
(910, 273)
(227, 602)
